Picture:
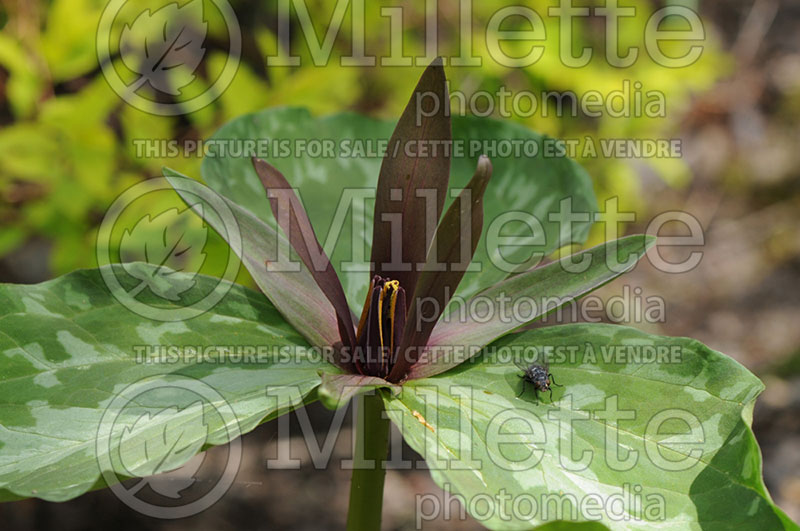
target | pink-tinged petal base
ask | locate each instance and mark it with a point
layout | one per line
(294, 222)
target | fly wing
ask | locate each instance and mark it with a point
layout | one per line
(521, 364)
(524, 360)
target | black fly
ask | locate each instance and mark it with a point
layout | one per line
(539, 376)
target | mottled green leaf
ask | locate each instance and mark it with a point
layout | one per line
(680, 438)
(69, 350)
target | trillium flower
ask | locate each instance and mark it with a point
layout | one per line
(410, 270)
(384, 346)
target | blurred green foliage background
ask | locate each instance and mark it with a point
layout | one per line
(67, 143)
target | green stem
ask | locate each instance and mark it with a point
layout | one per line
(371, 448)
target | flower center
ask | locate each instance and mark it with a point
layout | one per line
(380, 327)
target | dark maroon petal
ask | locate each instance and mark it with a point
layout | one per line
(405, 175)
(369, 341)
(365, 311)
(399, 326)
(300, 233)
(445, 268)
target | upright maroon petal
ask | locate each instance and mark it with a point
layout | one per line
(300, 233)
(367, 353)
(424, 124)
(399, 327)
(444, 267)
(296, 295)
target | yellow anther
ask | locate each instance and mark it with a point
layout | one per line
(391, 286)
